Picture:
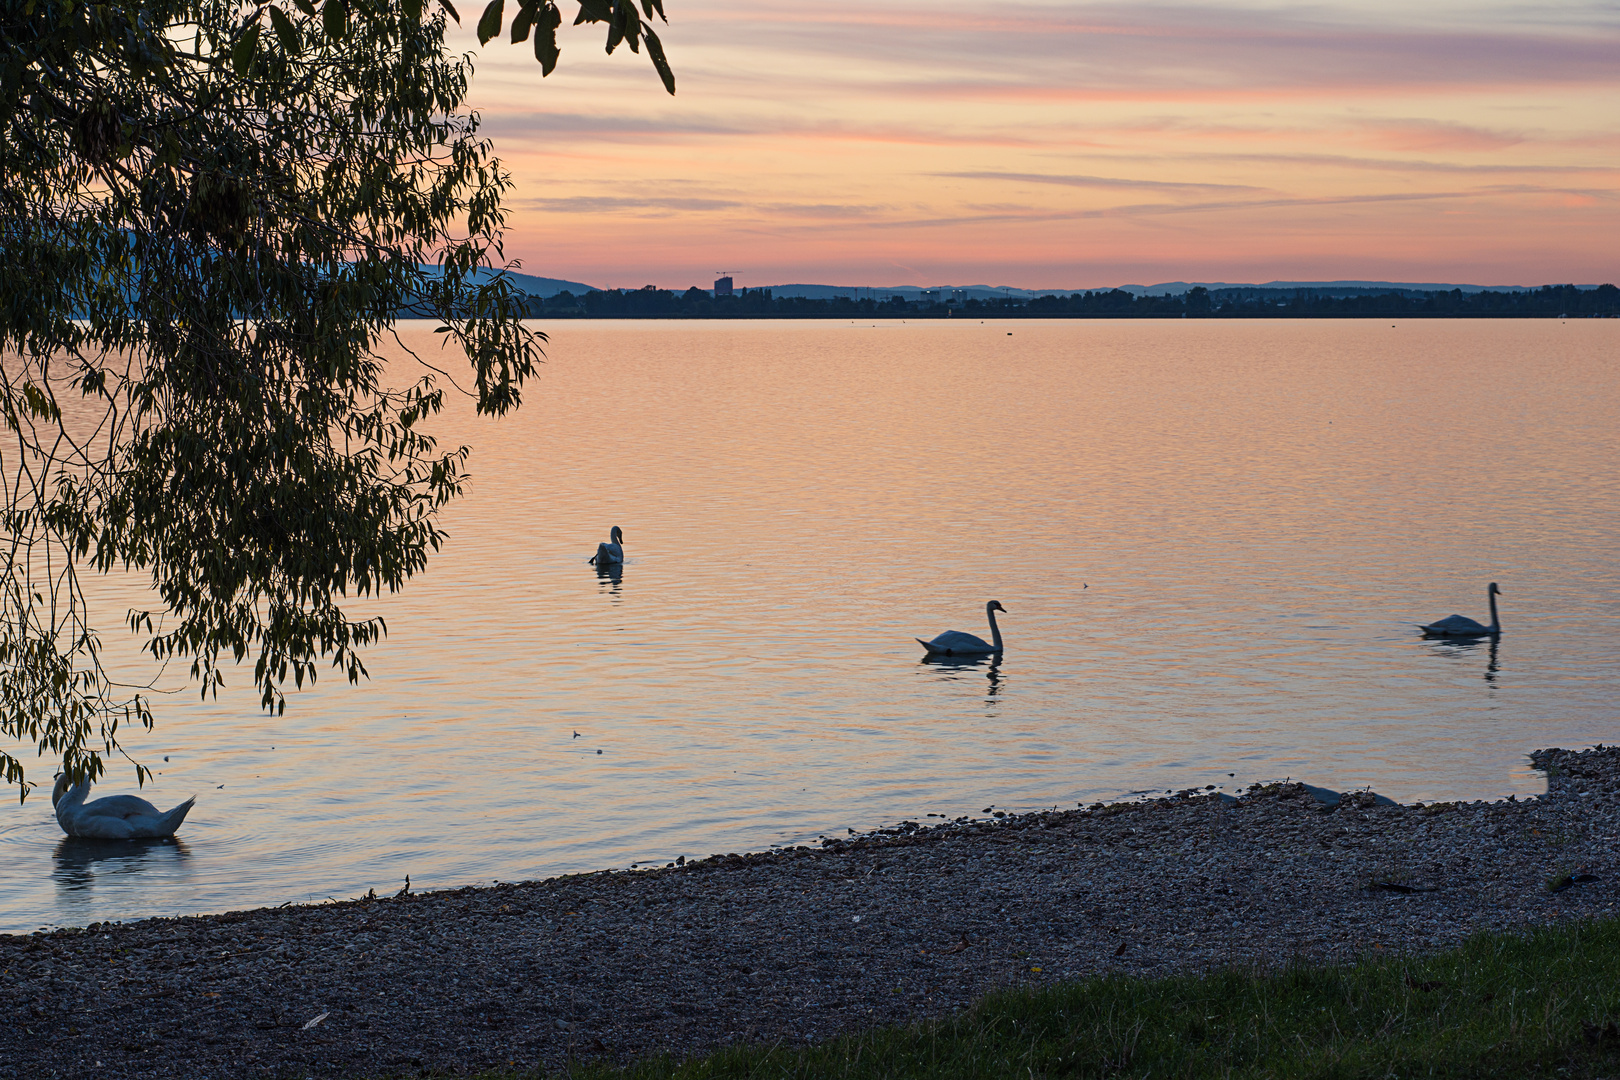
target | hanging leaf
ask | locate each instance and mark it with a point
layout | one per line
(412, 9)
(632, 26)
(247, 47)
(306, 6)
(292, 43)
(655, 50)
(454, 14)
(335, 17)
(545, 37)
(523, 20)
(490, 24)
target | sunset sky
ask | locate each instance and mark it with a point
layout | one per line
(1070, 145)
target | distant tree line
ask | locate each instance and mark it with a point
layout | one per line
(1549, 301)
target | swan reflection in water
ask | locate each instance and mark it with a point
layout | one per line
(80, 862)
(610, 579)
(1459, 648)
(954, 667)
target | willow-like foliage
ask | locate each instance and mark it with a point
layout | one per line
(211, 215)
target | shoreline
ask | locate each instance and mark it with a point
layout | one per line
(802, 943)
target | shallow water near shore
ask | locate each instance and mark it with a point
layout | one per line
(1213, 541)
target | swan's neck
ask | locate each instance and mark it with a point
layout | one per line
(995, 631)
(73, 797)
(1496, 623)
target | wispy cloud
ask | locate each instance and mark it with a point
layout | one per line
(540, 124)
(659, 205)
(1414, 166)
(1430, 135)
(612, 204)
(1031, 215)
(1106, 182)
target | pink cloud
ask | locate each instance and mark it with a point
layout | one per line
(1431, 135)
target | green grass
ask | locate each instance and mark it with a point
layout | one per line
(1541, 1004)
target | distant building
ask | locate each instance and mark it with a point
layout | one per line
(722, 286)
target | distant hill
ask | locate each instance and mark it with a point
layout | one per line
(535, 286)
(1348, 288)
(545, 286)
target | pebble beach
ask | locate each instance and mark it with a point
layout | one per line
(801, 944)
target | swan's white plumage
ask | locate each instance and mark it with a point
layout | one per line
(117, 817)
(1455, 626)
(957, 643)
(612, 551)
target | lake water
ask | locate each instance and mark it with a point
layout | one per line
(1213, 540)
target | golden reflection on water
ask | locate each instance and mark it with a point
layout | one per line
(1214, 540)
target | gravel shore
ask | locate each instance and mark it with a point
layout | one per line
(801, 944)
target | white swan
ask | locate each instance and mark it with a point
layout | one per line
(956, 643)
(1461, 626)
(117, 817)
(611, 552)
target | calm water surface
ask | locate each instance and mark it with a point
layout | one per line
(1213, 540)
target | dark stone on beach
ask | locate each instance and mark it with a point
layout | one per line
(1566, 881)
(1330, 798)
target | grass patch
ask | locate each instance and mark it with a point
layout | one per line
(1541, 1004)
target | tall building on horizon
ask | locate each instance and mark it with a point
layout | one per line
(722, 286)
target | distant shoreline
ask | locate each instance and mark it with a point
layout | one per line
(1247, 302)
